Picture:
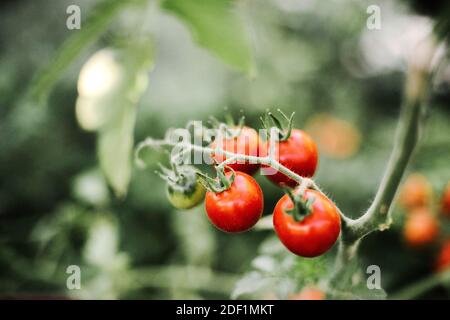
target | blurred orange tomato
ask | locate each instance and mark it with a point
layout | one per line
(416, 192)
(421, 228)
(335, 138)
(443, 258)
(309, 293)
(445, 201)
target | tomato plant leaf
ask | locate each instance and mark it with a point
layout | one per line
(251, 283)
(278, 273)
(215, 25)
(115, 145)
(101, 247)
(196, 237)
(109, 88)
(95, 25)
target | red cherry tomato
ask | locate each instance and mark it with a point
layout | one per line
(316, 233)
(298, 153)
(443, 259)
(238, 208)
(445, 201)
(421, 228)
(247, 143)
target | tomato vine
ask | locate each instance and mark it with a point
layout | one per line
(378, 216)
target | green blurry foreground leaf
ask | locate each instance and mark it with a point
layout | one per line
(216, 26)
(90, 187)
(110, 86)
(115, 145)
(95, 25)
(277, 272)
(251, 283)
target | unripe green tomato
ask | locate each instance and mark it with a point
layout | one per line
(187, 194)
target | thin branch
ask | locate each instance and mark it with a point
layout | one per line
(304, 182)
(422, 286)
(378, 216)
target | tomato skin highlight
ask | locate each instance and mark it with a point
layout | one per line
(421, 228)
(247, 143)
(237, 209)
(315, 234)
(443, 258)
(298, 153)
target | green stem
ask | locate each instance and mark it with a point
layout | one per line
(416, 289)
(409, 128)
(378, 216)
(232, 157)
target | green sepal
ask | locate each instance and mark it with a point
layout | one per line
(302, 207)
(284, 128)
(220, 184)
(229, 129)
(181, 178)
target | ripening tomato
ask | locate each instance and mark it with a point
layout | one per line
(187, 192)
(238, 208)
(415, 193)
(247, 143)
(185, 198)
(298, 153)
(445, 201)
(421, 228)
(309, 293)
(443, 258)
(316, 233)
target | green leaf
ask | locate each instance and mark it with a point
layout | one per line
(216, 26)
(251, 283)
(115, 145)
(101, 248)
(196, 237)
(277, 272)
(90, 187)
(109, 87)
(90, 30)
(102, 82)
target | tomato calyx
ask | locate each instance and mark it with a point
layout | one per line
(221, 183)
(230, 129)
(283, 127)
(302, 206)
(181, 178)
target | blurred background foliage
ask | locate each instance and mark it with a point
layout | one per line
(316, 58)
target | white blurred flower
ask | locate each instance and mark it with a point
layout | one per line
(389, 48)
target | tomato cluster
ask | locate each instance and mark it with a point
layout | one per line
(422, 227)
(307, 223)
